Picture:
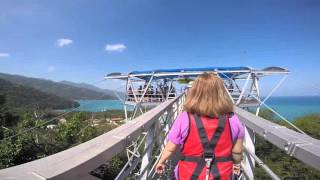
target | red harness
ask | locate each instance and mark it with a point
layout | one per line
(207, 149)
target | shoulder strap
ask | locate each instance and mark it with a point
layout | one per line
(202, 132)
(216, 136)
(215, 139)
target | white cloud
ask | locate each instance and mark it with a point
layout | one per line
(51, 69)
(4, 55)
(115, 47)
(64, 42)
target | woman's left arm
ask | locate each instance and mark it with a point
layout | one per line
(237, 151)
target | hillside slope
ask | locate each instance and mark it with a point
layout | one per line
(88, 86)
(18, 96)
(56, 88)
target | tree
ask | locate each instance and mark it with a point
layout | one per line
(76, 129)
(88, 133)
(18, 150)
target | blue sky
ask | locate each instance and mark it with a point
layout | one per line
(81, 41)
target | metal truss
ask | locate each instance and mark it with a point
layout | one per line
(141, 163)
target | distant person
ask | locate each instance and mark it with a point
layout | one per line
(139, 91)
(158, 95)
(145, 91)
(207, 133)
(130, 94)
(152, 96)
(172, 94)
(149, 94)
(231, 87)
(165, 89)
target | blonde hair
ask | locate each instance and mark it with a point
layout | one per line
(208, 96)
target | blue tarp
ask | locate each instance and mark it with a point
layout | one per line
(192, 70)
(205, 69)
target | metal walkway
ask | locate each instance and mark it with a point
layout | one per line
(145, 135)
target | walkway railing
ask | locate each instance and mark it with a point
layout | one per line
(143, 139)
(300, 146)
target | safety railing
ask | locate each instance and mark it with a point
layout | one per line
(153, 141)
(300, 146)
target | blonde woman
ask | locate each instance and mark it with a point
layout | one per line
(207, 133)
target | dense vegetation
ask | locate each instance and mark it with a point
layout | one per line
(30, 137)
(18, 96)
(282, 164)
(64, 90)
(29, 129)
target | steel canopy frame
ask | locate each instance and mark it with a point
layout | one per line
(242, 95)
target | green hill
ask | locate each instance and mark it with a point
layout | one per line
(18, 96)
(59, 89)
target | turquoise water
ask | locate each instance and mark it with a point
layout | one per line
(289, 107)
(295, 107)
(99, 105)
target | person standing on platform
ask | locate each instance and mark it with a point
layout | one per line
(208, 133)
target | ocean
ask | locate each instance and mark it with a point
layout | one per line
(295, 106)
(290, 107)
(99, 105)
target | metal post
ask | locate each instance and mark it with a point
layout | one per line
(249, 162)
(262, 165)
(145, 90)
(134, 112)
(125, 112)
(169, 89)
(133, 91)
(230, 96)
(244, 88)
(256, 84)
(147, 157)
(126, 95)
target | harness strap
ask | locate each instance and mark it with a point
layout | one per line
(216, 136)
(208, 146)
(215, 173)
(198, 159)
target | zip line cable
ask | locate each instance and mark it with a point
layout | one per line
(272, 110)
(279, 115)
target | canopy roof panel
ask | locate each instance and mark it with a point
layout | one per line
(224, 72)
(205, 69)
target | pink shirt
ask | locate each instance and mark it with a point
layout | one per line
(179, 130)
